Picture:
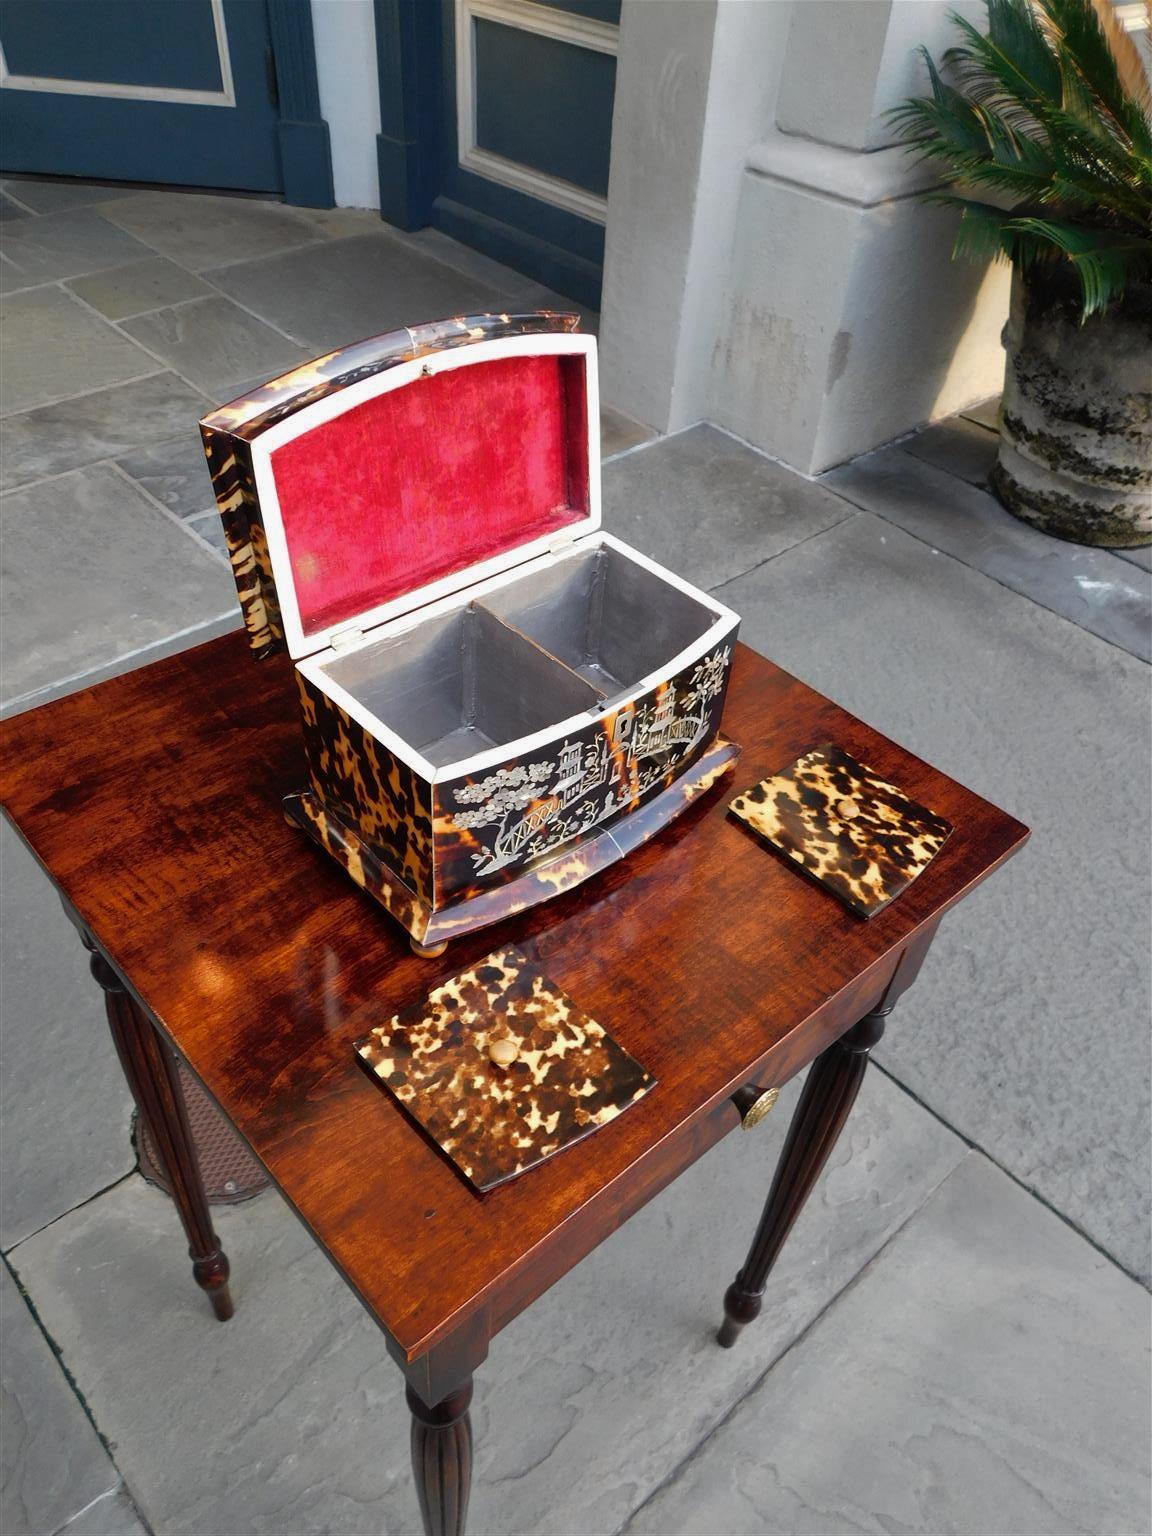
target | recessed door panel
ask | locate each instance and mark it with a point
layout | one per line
(545, 104)
(178, 91)
(528, 92)
(119, 42)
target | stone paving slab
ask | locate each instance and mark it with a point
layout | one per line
(52, 1463)
(93, 570)
(175, 472)
(61, 245)
(1028, 1028)
(197, 633)
(213, 343)
(703, 503)
(987, 1373)
(58, 196)
(1094, 588)
(299, 1413)
(10, 210)
(340, 222)
(1140, 557)
(64, 1104)
(113, 1515)
(120, 292)
(72, 433)
(199, 231)
(959, 446)
(347, 289)
(54, 348)
(209, 528)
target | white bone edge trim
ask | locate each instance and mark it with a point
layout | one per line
(564, 343)
(313, 667)
(118, 90)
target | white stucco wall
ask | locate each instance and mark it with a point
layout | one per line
(662, 77)
(349, 96)
(848, 322)
(696, 83)
(769, 266)
(747, 56)
(848, 60)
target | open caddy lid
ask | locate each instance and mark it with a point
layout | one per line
(387, 476)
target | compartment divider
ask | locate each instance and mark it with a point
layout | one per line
(595, 621)
(605, 615)
(503, 694)
(479, 606)
(469, 635)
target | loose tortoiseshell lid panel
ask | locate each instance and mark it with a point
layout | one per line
(494, 1122)
(859, 836)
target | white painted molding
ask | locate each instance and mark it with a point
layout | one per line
(224, 97)
(549, 189)
(1133, 15)
(862, 178)
(544, 21)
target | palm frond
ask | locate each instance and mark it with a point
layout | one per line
(1012, 57)
(946, 121)
(1044, 112)
(980, 235)
(1103, 266)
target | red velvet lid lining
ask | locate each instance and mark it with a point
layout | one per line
(430, 478)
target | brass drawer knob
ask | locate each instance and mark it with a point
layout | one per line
(751, 1114)
(503, 1052)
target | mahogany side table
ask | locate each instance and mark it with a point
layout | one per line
(152, 801)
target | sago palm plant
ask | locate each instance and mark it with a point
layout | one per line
(1048, 114)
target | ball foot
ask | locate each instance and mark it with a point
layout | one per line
(428, 951)
(727, 1333)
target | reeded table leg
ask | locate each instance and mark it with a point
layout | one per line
(151, 1071)
(442, 1460)
(828, 1096)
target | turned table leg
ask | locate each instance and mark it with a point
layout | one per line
(150, 1068)
(442, 1460)
(829, 1093)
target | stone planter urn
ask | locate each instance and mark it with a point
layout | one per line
(1076, 423)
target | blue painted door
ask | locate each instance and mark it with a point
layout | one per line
(527, 97)
(177, 91)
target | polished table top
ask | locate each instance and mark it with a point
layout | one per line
(153, 801)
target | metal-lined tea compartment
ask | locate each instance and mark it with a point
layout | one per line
(462, 684)
(610, 618)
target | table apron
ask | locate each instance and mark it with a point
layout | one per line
(878, 987)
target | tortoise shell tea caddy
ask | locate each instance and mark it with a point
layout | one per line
(498, 698)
